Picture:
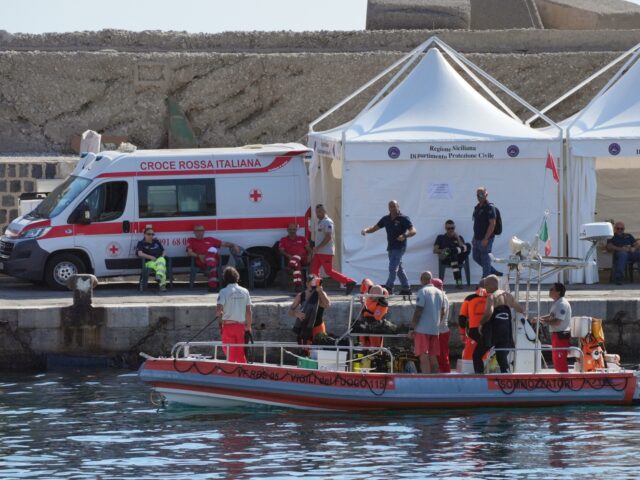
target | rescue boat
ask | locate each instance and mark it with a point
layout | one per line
(202, 382)
(330, 380)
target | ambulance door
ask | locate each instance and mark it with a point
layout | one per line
(103, 227)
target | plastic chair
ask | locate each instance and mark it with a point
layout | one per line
(194, 270)
(239, 261)
(465, 266)
(145, 273)
(628, 271)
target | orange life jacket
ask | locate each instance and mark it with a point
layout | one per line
(592, 353)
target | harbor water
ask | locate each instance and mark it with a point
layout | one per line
(85, 425)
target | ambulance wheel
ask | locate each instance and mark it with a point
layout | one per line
(263, 264)
(60, 268)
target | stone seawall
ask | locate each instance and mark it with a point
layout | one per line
(250, 88)
(229, 99)
(120, 332)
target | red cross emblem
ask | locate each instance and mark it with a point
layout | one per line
(255, 195)
(113, 249)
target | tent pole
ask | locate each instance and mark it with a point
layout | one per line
(368, 84)
(582, 84)
(562, 246)
(478, 82)
(512, 94)
(611, 81)
(395, 77)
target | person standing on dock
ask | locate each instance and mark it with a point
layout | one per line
(559, 321)
(399, 228)
(234, 313)
(324, 250)
(486, 225)
(425, 324)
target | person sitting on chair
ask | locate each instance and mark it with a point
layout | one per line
(296, 250)
(452, 250)
(152, 251)
(205, 252)
(625, 250)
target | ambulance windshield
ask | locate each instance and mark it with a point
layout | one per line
(61, 197)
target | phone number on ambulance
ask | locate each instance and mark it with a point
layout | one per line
(176, 242)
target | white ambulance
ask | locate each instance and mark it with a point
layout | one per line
(94, 219)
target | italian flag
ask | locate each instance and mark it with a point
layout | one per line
(543, 235)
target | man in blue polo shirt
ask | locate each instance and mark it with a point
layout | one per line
(484, 224)
(625, 250)
(399, 228)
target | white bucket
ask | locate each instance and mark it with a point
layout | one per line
(465, 366)
(580, 326)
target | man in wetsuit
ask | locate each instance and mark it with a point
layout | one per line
(308, 309)
(496, 325)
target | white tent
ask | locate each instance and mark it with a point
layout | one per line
(603, 145)
(429, 143)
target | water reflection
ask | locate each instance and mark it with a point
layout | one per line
(101, 424)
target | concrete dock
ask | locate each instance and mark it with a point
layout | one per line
(37, 323)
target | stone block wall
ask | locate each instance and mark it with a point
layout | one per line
(121, 331)
(418, 14)
(229, 99)
(589, 14)
(19, 175)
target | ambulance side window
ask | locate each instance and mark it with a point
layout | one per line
(190, 197)
(107, 202)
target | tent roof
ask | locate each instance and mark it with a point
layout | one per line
(434, 103)
(613, 115)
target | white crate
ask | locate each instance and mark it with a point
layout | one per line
(580, 327)
(327, 359)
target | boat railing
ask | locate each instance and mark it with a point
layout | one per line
(183, 350)
(545, 348)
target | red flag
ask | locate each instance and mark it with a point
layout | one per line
(551, 165)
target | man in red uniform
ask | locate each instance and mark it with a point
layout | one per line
(205, 250)
(296, 250)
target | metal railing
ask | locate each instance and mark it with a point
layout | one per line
(182, 350)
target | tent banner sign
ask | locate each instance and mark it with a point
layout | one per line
(606, 148)
(325, 147)
(451, 151)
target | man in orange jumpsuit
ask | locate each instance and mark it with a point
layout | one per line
(471, 312)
